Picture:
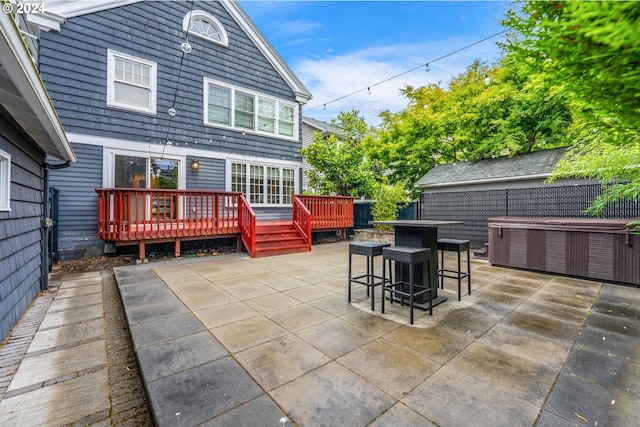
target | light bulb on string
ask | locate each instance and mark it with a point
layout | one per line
(172, 111)
(426, 68)
(186, 47)
(369, 90)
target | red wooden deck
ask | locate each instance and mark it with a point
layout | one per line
(129, 216)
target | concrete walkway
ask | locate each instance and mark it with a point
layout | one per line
(70, 361)
(235, 341)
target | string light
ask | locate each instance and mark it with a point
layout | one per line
(324, 106)
(186, 48)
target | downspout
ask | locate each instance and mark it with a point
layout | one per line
(46, 223)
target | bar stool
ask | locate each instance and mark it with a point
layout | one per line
(403, 288)
(369, 250)
(458, 246)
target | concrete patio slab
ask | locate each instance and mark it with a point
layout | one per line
(523, 349)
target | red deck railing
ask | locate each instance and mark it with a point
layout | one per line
(247, 225)
(133, 215)
(329, 212)
(301, 217)
(126, 214)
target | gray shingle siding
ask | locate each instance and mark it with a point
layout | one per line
(20, 228)
(78, 202)
(73, 64)
(210, 176)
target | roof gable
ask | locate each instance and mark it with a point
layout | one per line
(70, 8)
(537, 164)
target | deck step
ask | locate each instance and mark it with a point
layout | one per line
(278, 238)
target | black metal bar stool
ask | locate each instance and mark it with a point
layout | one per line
(370, 250)
(458, 246)
(402, 287)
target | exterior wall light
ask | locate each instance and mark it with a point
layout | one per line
(195, 164)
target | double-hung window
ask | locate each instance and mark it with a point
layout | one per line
(235, 108)
(273, 185)
(131, 83)
(5, 181)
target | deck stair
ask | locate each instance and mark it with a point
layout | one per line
(277, 238)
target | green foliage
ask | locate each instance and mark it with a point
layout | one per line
(340, 166)
(389, 199)
(485, 112)
(591, 52)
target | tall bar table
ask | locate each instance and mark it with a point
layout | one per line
(420, 234)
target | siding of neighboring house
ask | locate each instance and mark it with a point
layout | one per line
(307, 139)
(73, 65)
(20, 228)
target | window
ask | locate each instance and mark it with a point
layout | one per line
(231, 107)
(5, 181)
(203, 25)
(244, 111)
(145, 172)
(131, 83)
(273, 185)
(263, 184)
(219, 105)
(285, 120)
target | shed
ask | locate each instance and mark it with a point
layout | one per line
(473, 192)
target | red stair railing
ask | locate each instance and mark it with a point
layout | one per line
(247, 225)
(301, 217)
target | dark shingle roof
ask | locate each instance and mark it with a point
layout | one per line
(324, 127)
(520, 166)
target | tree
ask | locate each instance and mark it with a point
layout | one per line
(340, 166)
(485, 112)
(591, 51)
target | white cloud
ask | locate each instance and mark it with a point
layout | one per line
(330, 78)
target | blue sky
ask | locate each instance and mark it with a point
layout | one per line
(340, 47)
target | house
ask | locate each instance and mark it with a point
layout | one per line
(31, 136)
(309, 127)
(472, 192)
(171, 95)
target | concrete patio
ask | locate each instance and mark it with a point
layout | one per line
(237, 341)
(240, 341)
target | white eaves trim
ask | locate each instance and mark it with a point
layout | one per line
(485, 181)
(18, 64)
(301, 92)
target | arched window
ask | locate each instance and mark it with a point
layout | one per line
(203, 25)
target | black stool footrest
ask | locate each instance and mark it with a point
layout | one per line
(370, 279)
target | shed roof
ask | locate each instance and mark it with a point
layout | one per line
(537, 164)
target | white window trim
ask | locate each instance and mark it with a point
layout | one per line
(5, 181)
(265, 165)
(111, 65)
(186, 22)
(256, 96)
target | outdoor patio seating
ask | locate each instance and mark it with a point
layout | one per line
(370, 250)
(458, 246)
(405, 287)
